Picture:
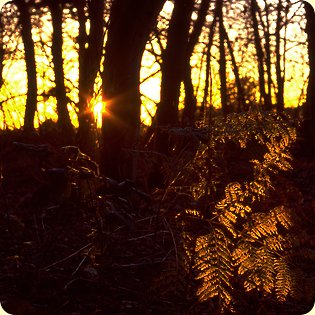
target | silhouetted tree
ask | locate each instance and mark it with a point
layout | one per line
(131, 22)
(26, 32)
(212, 27)
(222, 62)
(265, 96)
(90, 54)
(265, 24)
(2, 51)
(240, 89)
(279, 72)
(190, 98)
(310, 101)
(64, 121)
(173, 66)
(173, 63)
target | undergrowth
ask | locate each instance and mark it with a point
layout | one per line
(224, 235)
(240, 234)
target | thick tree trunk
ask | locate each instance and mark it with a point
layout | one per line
(173, 66)
(131, 22)
(310, 100)
(190, 98)
(26, 32)
(64, 122)
(173, 62)
(89, 64)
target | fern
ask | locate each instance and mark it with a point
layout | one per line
(241, 223)
(214, 267)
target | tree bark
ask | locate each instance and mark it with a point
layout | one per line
(131, 22)
(26, 32)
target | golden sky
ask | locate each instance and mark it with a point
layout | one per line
(15, 75)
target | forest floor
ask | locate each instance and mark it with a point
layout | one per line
(72, 244)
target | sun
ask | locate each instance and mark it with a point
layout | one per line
(98, 109)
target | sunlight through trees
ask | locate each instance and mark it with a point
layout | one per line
(157, 157)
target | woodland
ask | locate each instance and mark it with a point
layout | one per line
(157, 157)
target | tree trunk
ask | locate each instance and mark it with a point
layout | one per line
(173, 62)
(64, 122)
(218, 8)
(173, 65)
(222, 69)
(131, 22)
(89, 65)
(266, 28)
(280, 78)
(2, 52)
(260, 56)
(190, 99)
(26, 32)
(310, 99)
(240, 91)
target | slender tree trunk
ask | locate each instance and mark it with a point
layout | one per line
(240, 91)
(280, 78)
(260, 56)
(2, 53)
(190, 99)
(64, 122)
(131, 22)
(82, 41)
(89, 64)
(26, 32)
(222, 69)
(218, 7)
(310, 99)
(266, 28)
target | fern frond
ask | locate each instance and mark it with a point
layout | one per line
(284, 215)
(261, 274)
(214, 267)
(284, 280)
(261, 225)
